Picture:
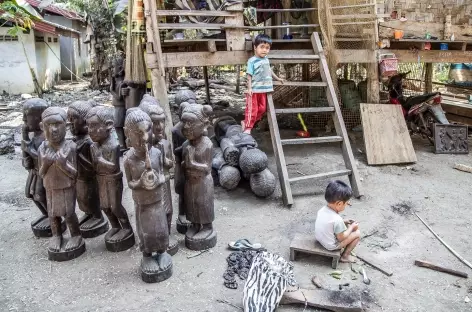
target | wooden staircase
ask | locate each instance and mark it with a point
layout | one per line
(333, 108)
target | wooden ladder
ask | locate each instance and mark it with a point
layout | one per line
(333, 108)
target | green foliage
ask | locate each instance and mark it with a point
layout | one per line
(21, 18)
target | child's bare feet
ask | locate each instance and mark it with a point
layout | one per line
(348, 259)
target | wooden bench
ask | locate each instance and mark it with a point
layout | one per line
(308, 244)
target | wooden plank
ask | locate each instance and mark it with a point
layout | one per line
(178, 59)
(337, 117)
(211, 46)
(460, 109)
(159, 87)
(419, 29)
(463, 168)
(292, 57)
(435, 56)
(386, 136)
(301, 83)
(308, 244)
(194, 13)
(304, 110)
(354, 23)
(191, 26)
(286, 10)
(324, 175)
(235, 40)
(324, 299)
(374, 265)
(353, 6)
(278, 152)
(353, 16)
(429, 265)
(326, 139)
(281, 26)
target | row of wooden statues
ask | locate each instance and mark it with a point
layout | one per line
(87, 170)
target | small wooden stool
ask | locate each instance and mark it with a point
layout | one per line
(308, 244)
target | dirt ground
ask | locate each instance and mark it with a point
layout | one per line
(104, 281)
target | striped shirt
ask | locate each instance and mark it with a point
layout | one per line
(259, 69)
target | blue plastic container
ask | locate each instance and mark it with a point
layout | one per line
(444, 46)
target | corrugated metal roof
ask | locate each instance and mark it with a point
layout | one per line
(57, 10)
(44, 27)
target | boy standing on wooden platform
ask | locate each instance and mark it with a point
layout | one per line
(259, 82)
(331, 231)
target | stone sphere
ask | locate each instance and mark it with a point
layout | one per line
(253, 161)
(229, 177)
(263, 183)
(185, 96)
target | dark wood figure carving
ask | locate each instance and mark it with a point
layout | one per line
(92, 223)
(198, 187)
(32, 110)
(105, 157)
(178, 139)
(151, 106)
(58, 168)
(117, 89)
(145, 175)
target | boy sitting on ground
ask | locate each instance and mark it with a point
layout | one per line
(331, 231)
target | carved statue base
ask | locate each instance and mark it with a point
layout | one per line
(157, 268)
(173, 246)
(182, 226)
(42, 228)
(91, 227)
(194, 242)
(116, 245)
(64, 255)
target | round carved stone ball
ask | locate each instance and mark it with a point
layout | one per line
(229, 177)
(263, 183)
(218, 160)
(185, 96)
(253, 161)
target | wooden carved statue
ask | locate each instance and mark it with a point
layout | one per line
(105, 153)
(32, 110)
(92, 223)
(144, 172)
(151, 106)
(117, 89)
(178, 140)
(198, 187)
(58, 168)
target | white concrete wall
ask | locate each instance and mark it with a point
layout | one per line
(48, 64)
(15, 76)
(74, 53)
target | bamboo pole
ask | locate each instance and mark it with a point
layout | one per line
(445, 244)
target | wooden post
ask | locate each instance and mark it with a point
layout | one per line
(154, 61)
(238, 79)
(373, 90)
(428, 78)
(207, 84)
(235, 40)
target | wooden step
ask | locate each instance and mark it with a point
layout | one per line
(304, 110)
(277, 56)
(322, 175)
(326, 139)
(301, 83)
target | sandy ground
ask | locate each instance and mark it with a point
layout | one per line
(104, 281)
